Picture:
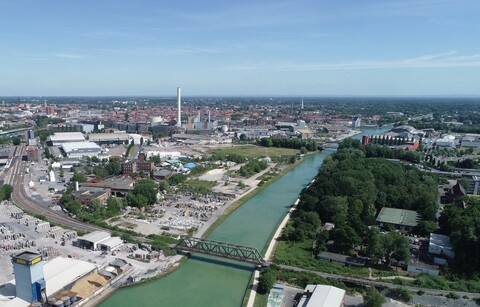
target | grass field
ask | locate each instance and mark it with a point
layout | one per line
(300, 255)
(257, 151)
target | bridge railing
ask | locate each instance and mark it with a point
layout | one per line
(221, 249)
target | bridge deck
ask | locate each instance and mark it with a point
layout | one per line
(221, 249)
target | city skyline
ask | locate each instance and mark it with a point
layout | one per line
(272, 48)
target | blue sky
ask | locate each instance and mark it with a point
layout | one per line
(274, 47)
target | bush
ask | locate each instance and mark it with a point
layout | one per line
(373, 298)
(400, 294)
(453, 295)
(266, 281)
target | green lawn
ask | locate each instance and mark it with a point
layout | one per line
(300, 255)
(199, 186)
(256, 151)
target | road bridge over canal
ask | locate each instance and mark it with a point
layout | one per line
(221, 249)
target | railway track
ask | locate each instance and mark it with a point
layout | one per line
(21, 199)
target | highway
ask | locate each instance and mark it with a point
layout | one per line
(15, 177)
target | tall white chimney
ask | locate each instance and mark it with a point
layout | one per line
(76, 186)
(179, 111)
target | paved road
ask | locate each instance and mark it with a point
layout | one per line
(368, 282)
(15, 177)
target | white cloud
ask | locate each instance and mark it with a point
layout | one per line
(440, 60)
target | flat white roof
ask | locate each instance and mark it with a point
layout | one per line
(67, 136)
(112, 242)
(96, 236)
(108, 136)
(79, 146)
(327, 296)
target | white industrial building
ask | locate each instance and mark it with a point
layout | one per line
(322, 296)
(440, 245)
(60, 138)
(471, 140)
(108, 138)
(99, 240)
(110, 244)
(447, 141)
(81, 149)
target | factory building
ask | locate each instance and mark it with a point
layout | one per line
(59, 138)
(81, 149)
(87, 195)
(108, 138)
(99, 240)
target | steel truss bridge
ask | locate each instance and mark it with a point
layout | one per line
(221, 249)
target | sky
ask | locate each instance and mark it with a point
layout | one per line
(240, 48)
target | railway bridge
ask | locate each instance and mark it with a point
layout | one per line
(221, 249)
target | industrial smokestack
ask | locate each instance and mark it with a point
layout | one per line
(179, 102)
(76, 186)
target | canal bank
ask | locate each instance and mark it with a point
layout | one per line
(209, 281)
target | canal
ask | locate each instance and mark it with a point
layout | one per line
(208, 281)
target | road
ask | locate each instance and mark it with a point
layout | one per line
(15, 177)
(375, 283)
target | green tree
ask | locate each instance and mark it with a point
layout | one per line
(62, 172)
(144, 193)
(374, 249)
(396, 246)
(79, 177)
(303, 150)
(114, 205)
(424, 228)
(163, 185)
(176, 179)
(373, 298)
(100, 171)
(6, 191)
(266, 281)
(345, 239)
(114, 167)
(16, 140)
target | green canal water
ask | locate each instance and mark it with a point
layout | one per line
(207, 281)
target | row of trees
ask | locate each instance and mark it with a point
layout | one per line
(252, 167)
(381, 151)
(310, 145)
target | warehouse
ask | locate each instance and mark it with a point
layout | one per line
(108, 138)
(99, 240)
(398, 218)
(60, 138)
(81, 149)
(110, 244)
